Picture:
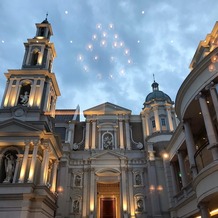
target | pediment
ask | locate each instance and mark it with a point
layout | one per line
(107, 109)
(14, 125)
(108, 155)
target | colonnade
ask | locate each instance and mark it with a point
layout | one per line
(191, 147)
(24, 173)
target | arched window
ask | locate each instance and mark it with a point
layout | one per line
(41, 31)
(34, 58)
(8, 166)
(23, 98)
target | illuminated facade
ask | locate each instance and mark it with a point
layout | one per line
(113, 164)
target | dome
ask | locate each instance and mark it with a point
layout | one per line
(157, 94)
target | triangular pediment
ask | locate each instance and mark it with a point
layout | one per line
(107, 109)
(14, 125)
(107, 155)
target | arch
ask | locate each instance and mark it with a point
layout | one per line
(34, 57)
(8, 164)
(108, 172)
(25, 88)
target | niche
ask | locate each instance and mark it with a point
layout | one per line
(23, 98)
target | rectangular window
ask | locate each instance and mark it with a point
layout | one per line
(153, 124)
(163, 122)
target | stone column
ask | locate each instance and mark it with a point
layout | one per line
(184, 177)
(87, 135)
(115, 138)
(190, 145)
(92, 192)
(99, 140)
(169, 182)
(1, 158)
(170, 121)
(16, 168)
(40, 92)
(4, 96)
(24, 162)
(213, 94)
(54, 176)
(32, 93)
(121, 134)
(131, 197)
(33, 162)
(154, 194)
(147, 129)
(174, 183)
(156, 117)
(62, 189)
(127, 135)
(93, 134)
(204, 210)
(124, 194)
(44, 165)
(85, 192)
(212, 136)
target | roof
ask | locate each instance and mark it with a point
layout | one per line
(157, 95)
(65, 115)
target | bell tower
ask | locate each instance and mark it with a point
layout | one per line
(34, 86)
(29, 149)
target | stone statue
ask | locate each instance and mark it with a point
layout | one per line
(9, 167)
(24, 98)
(107, 143)
(138, 180)
(140, 207)
(78, 180)
(76, 206)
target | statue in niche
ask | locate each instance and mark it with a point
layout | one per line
(76, 206)
(138, 180)
(140, 207)
(78, 180)
(107, 142)
(9, 167)
(24, 98)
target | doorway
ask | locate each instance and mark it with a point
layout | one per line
(108, 200)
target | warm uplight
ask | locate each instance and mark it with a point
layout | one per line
(212, 213)
(212, 67)
(152, 188)
(165, 155)
(124, 207)
(91, 206)
(160, 188)
(214, 59)
(60, 189)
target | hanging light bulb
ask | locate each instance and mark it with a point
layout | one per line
(214, 59)
(212, 67)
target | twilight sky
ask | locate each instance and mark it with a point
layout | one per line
(108, 50)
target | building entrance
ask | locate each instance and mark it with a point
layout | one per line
(108, 200)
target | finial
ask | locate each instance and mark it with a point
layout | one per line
(153, 77)
(46, 15)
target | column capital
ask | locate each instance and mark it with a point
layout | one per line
(199, 95)
(210, 86)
